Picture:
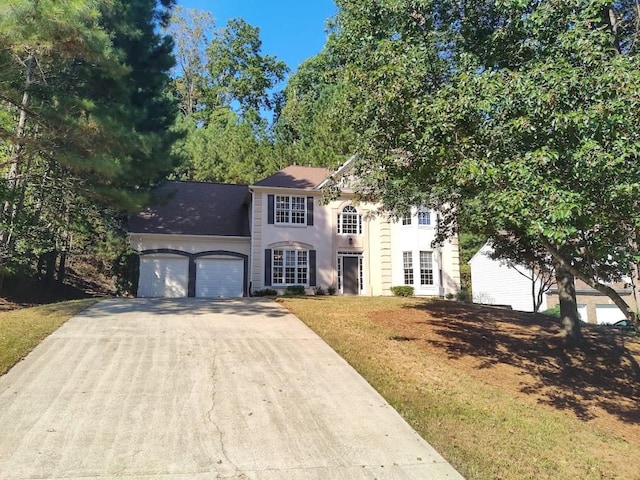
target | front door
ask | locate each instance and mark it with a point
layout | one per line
(351, 275)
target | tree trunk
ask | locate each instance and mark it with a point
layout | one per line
(62, 267)
(611, 20)
(635, 278)
(568, 307)
(10, 207)
(50, 266)
(602, 288)
(536, 305)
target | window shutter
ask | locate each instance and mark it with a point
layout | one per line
(267, 267)
(270, 207)
(312, 268)
(310, 211)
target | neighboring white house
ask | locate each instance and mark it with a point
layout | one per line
(495, 282)
(217, 240)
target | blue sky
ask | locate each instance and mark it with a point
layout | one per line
(292, 30)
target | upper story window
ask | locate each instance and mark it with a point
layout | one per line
(424, 217)
(406, 220)
(290, 210)
(349, 221)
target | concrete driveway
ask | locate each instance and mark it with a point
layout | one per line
(164, 389)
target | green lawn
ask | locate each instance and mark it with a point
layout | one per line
(484, 431)
(22, 329)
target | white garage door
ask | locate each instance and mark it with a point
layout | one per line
(163, 276)
(219, 277)
(608, 314)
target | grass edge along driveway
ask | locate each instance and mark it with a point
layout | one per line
(22, 329)
(483, 432)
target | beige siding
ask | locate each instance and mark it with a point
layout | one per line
(381, 244)
(257, 255)
(416, 238)
(385, 257)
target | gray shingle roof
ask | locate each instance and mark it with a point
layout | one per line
(295, 176)
(195, 208)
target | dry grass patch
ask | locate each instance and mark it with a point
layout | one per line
(21, 330)
(493, 390)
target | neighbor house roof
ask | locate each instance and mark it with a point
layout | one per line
(195, 208)
(295, 176)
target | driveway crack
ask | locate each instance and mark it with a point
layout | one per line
(210, 418)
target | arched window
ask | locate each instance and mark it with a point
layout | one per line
(349, 221)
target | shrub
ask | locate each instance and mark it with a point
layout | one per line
(402, 291)
(294, 290)
(126, 268)
(449, 296)
(331, 290)
(319, 291)
(555, 312)
(265, 292)
(464, 295)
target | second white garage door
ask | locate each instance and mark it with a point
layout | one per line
(219, 277)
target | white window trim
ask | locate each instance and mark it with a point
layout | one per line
(284, 266)
(424, 225)
(433, 270)
(408, 255)
(340, 227)
(289, 211)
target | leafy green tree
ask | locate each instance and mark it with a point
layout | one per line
(538, 141)
(312, 122)
(469, 243)
(226, 149)
(86, 85)
(229, 137)
(242, 78)
(192, 30)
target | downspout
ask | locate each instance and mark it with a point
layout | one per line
(251, 252)
(440, 274)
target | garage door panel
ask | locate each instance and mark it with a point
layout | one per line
(219, 278)
(608, 314)
(162, 276)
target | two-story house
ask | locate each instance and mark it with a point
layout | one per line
(217, 240)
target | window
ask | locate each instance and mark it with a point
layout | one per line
(406, 220)
(426, 268)
(407, 265)
(424, 217)
(290, 210)
(349, 221)
(290, 267)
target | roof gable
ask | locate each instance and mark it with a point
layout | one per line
(294, 176)
(195, 208)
